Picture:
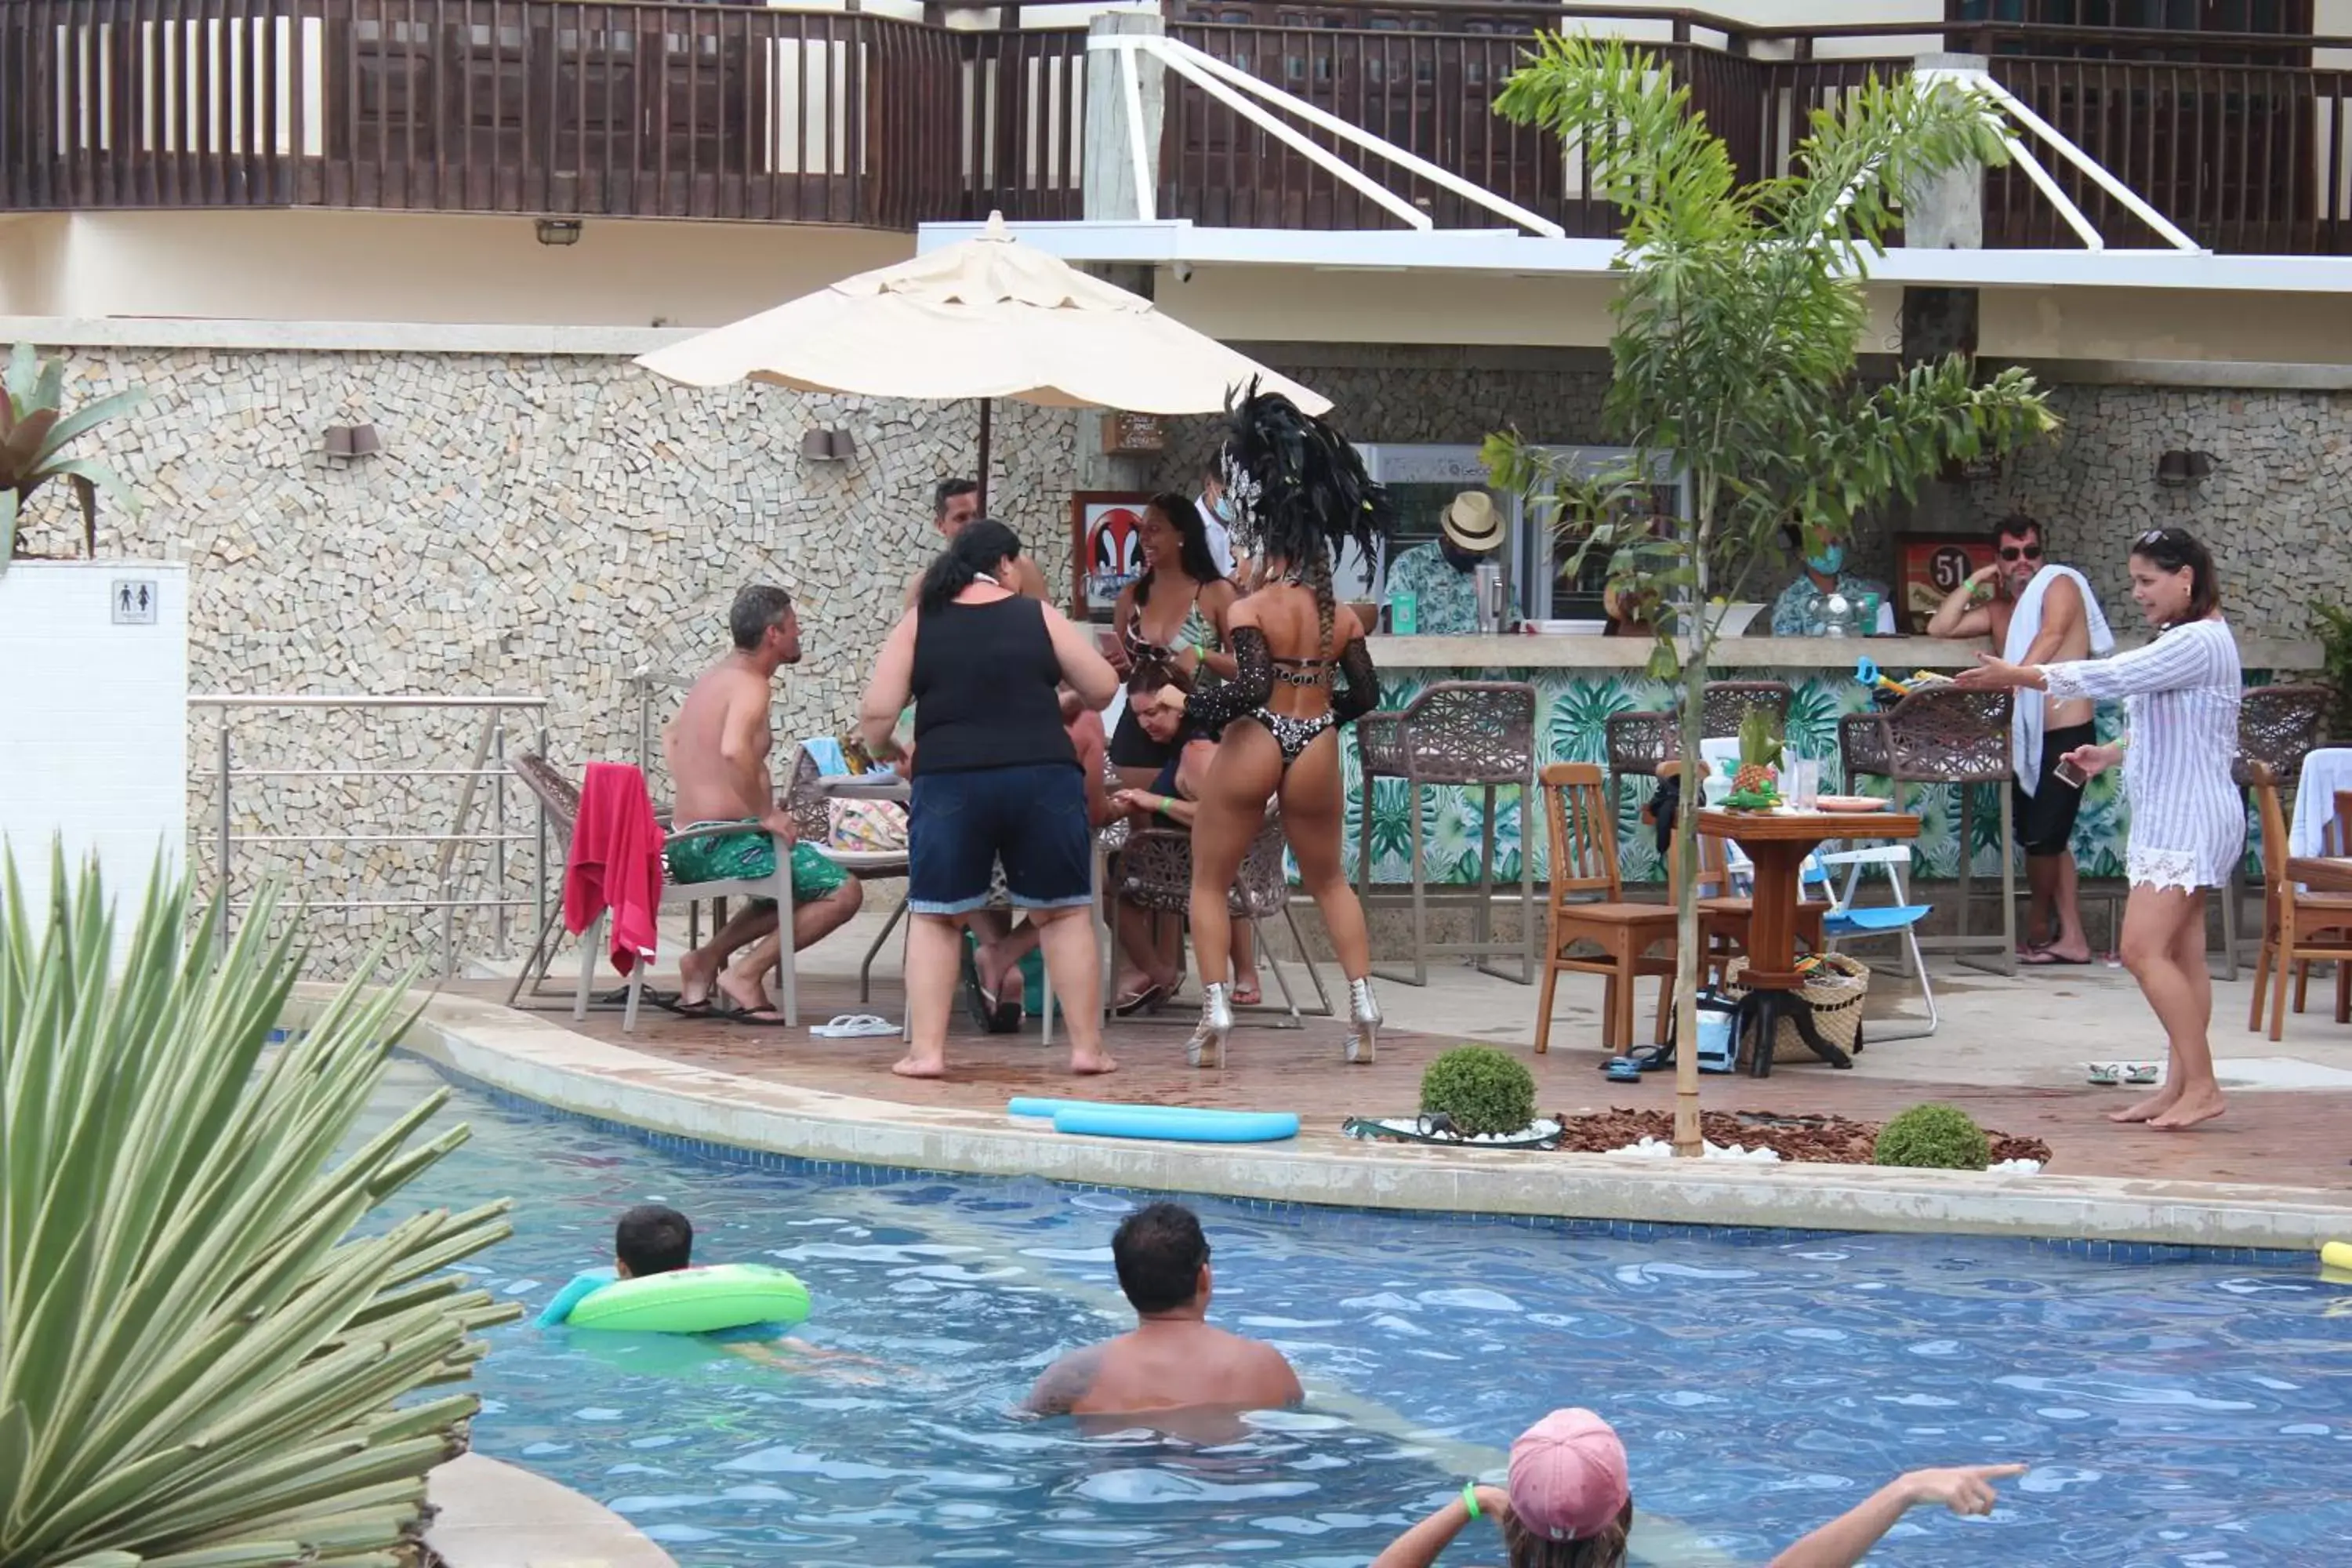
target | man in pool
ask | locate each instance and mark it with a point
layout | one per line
(717, 749)
(1172, 1360)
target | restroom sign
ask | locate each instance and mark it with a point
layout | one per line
(133, 601)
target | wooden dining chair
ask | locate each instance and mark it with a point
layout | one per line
(1723, 911)
(2297, 927)
(1586, 904)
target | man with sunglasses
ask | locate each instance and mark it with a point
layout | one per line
(2037, 611)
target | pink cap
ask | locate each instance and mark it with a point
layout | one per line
(1567, 1476)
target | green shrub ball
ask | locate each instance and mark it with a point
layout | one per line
(1481, 1089)
(1933, 1138)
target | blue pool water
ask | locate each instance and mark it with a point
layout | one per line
(2186, 1414)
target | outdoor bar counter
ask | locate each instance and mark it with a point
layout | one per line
(1580, 681)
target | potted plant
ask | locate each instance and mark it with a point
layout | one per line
(35, 431)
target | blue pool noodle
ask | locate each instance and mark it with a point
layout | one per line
(1180, 1123)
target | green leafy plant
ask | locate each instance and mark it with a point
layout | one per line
(203, 1358)
(1480, 1089)
(2336, 663)
(1933, 1136)
(1738, 312)
(35, 430)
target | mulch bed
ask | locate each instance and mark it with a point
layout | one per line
(1831, 1140)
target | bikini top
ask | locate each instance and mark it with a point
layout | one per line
(1198, 631)
(1209, 709)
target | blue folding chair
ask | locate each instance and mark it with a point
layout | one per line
(1850, 922)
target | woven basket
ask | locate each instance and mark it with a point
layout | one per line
(1836, 990)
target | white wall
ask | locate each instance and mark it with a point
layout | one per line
(419, 267)
(31, 248)
(94, 732)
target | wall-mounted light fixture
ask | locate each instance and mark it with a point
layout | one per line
(2179, 467)
(828, 446)
(559, 231)
(352, 441)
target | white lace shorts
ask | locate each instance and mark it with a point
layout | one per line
(2171, 869)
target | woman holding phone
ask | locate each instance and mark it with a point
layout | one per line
(2188, 821)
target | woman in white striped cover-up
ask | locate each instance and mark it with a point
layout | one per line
(2188, 821)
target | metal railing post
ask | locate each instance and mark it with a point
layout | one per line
(499, 834)
(221, 870)
(539, 882)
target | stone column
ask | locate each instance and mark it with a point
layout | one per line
(1106, 185)
(1943, 213)
(1106, 159)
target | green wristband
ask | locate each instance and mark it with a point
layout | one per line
(1159, 807)
(1470, 1497)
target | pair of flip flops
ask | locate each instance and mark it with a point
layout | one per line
(856, 1026)
(993, 1014)
(2107, 1075)
(716, 1008)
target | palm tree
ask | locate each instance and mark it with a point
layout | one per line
(1739, 314)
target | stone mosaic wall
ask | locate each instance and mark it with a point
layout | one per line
(553, 524)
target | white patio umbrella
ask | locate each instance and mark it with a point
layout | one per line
(984, 319)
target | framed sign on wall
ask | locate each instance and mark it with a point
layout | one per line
(1928, 566)
(1106, 549)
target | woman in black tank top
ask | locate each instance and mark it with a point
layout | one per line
(995, 780)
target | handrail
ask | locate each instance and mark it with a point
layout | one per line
(448, 891)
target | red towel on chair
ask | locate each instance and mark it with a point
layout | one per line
(615, 862)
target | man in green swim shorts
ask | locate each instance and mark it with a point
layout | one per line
(717, 749)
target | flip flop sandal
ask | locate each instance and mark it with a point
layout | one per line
(2043, 958)
(1146, 1000)
(2103, 1074)
(1003, 1014)
(1254, 999)
(756, 1017)
(670, 1003)
(855, 1026)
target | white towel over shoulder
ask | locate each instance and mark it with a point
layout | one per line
(2024, 626)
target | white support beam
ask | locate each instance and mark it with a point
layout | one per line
(2058, 143)
(2087, 231)
(1443, 179)
(1322, 158)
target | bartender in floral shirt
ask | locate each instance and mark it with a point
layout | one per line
(1442, 575)
(1796, 612)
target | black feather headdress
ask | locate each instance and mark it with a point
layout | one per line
(1298, 489)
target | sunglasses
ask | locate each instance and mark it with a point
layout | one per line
(2020, 553)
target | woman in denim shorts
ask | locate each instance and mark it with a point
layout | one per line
(995, 778)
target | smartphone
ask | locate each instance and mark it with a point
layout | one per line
(2067, 774)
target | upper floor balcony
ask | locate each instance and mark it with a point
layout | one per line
(2229, 116)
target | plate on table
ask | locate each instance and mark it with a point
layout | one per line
(1843, 805)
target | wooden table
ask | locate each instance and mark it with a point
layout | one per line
(1778, 843)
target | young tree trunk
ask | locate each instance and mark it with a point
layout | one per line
(1684, 849)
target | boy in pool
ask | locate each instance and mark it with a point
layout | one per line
(653, 1239)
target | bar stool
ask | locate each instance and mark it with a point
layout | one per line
(1945, 734)
(1639, 742)
(2277, 726)
(1478, 733)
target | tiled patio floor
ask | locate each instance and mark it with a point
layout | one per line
(2287, 1138)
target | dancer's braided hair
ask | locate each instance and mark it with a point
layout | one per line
(1299, 491)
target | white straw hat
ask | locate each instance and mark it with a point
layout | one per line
(1472, 522)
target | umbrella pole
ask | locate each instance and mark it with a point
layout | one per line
(987, 418)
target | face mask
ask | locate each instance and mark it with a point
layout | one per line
(1223, 507)
(1829, 562)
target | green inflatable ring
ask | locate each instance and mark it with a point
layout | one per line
(695, 1300)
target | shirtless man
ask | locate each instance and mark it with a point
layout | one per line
(1984, 605)
(717, 749)
(955, 502)
(1173, 1360)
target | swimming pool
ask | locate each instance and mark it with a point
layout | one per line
(2176, 1413)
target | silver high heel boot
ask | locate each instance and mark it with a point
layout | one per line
(1364, 1022)
(1206, 1047)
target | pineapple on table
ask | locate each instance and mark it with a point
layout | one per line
(1753, 783)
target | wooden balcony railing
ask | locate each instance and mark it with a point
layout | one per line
(550, 107)
(580, 108)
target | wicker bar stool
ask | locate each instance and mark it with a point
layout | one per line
(1478, 733)
(1639, 742)
(2278, 726)
(1945, 734)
